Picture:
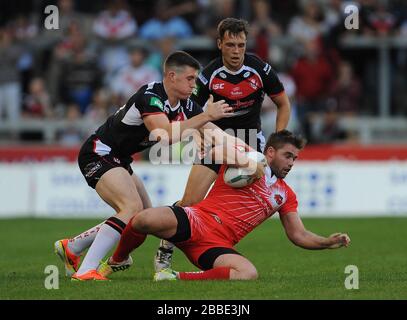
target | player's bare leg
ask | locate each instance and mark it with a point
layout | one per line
(160, 222)
(70, 250)
(145, 198)
(199, 181)
(226, 267)
(117, 188)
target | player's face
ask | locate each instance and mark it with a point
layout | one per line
(282, 160)
(233, 48)
(185, 82)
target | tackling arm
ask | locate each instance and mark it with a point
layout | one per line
(162, 129)
(303, 238)
(230, 150)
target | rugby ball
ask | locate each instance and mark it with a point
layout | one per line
(241, 177)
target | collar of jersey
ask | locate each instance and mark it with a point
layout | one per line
(270, 177)
(167, 102)
(233, 72)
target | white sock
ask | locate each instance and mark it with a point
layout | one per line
(105, 239)
(83, 241)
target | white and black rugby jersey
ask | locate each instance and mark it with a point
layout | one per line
(125, 132)
(243, 90)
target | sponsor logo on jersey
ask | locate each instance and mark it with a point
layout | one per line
(222, 75)
(92, 168)
(157, 103)
(203, 79)
(218, 86)
(267, 68)
(189, 105)
(242, 104)
(236, 91)
(246, 74)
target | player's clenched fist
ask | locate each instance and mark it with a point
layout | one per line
(338, 240)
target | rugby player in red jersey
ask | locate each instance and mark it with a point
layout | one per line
(208, 231)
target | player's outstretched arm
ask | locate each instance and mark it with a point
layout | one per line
(303, 238)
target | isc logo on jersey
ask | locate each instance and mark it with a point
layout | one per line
(218, 86)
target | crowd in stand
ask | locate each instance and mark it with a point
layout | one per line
(91, 65)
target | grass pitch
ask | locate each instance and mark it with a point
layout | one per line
(378, 249)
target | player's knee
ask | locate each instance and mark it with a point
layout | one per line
(142, 222)
(132, 207)
(247, 273)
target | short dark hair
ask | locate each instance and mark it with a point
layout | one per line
(234, 26)
(179, 59)
(278, 139)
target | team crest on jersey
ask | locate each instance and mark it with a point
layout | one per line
(157, 103)
(254, 84)
(246, 74)
(277, 198)
(222, 75)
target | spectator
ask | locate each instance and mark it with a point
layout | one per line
(346, 91)
(10, 88)
(79, 75)
(25, 31)
(165, 23)
(307, 26)
(313, 76)
(262, 19)
(131, 77)
(71, 135)
(380, 21)
(212, 12)
(37, 104)
(115, 23)
(114, 27)
(100, 108)
(263, 28)
(161, 49)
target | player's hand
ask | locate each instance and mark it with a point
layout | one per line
(217, 110)
(260, 170)
(338, 240)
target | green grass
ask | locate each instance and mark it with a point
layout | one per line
(378, 249)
